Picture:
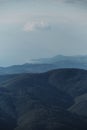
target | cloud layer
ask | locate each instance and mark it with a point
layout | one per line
(36, 25)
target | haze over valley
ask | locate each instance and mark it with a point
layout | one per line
(33, 29)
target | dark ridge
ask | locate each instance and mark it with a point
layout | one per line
(46, 101)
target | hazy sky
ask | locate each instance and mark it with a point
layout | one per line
(32, 29)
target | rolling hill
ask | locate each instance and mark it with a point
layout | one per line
(48, 101)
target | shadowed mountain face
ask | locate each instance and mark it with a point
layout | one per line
(48, 101)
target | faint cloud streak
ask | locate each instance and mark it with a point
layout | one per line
(36, 25)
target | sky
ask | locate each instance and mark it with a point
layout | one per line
(31, 29)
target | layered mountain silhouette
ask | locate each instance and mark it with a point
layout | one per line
(55, 100)
(46, 64)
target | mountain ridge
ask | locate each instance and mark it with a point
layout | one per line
(47, 64)
(46, 101)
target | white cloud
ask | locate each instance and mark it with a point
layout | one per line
(36, 25)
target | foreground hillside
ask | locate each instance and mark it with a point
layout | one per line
(56, 100)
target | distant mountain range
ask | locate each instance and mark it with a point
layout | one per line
(47, 64)
(55, 59)
(55, 100)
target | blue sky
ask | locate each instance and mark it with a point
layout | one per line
(32, 29)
